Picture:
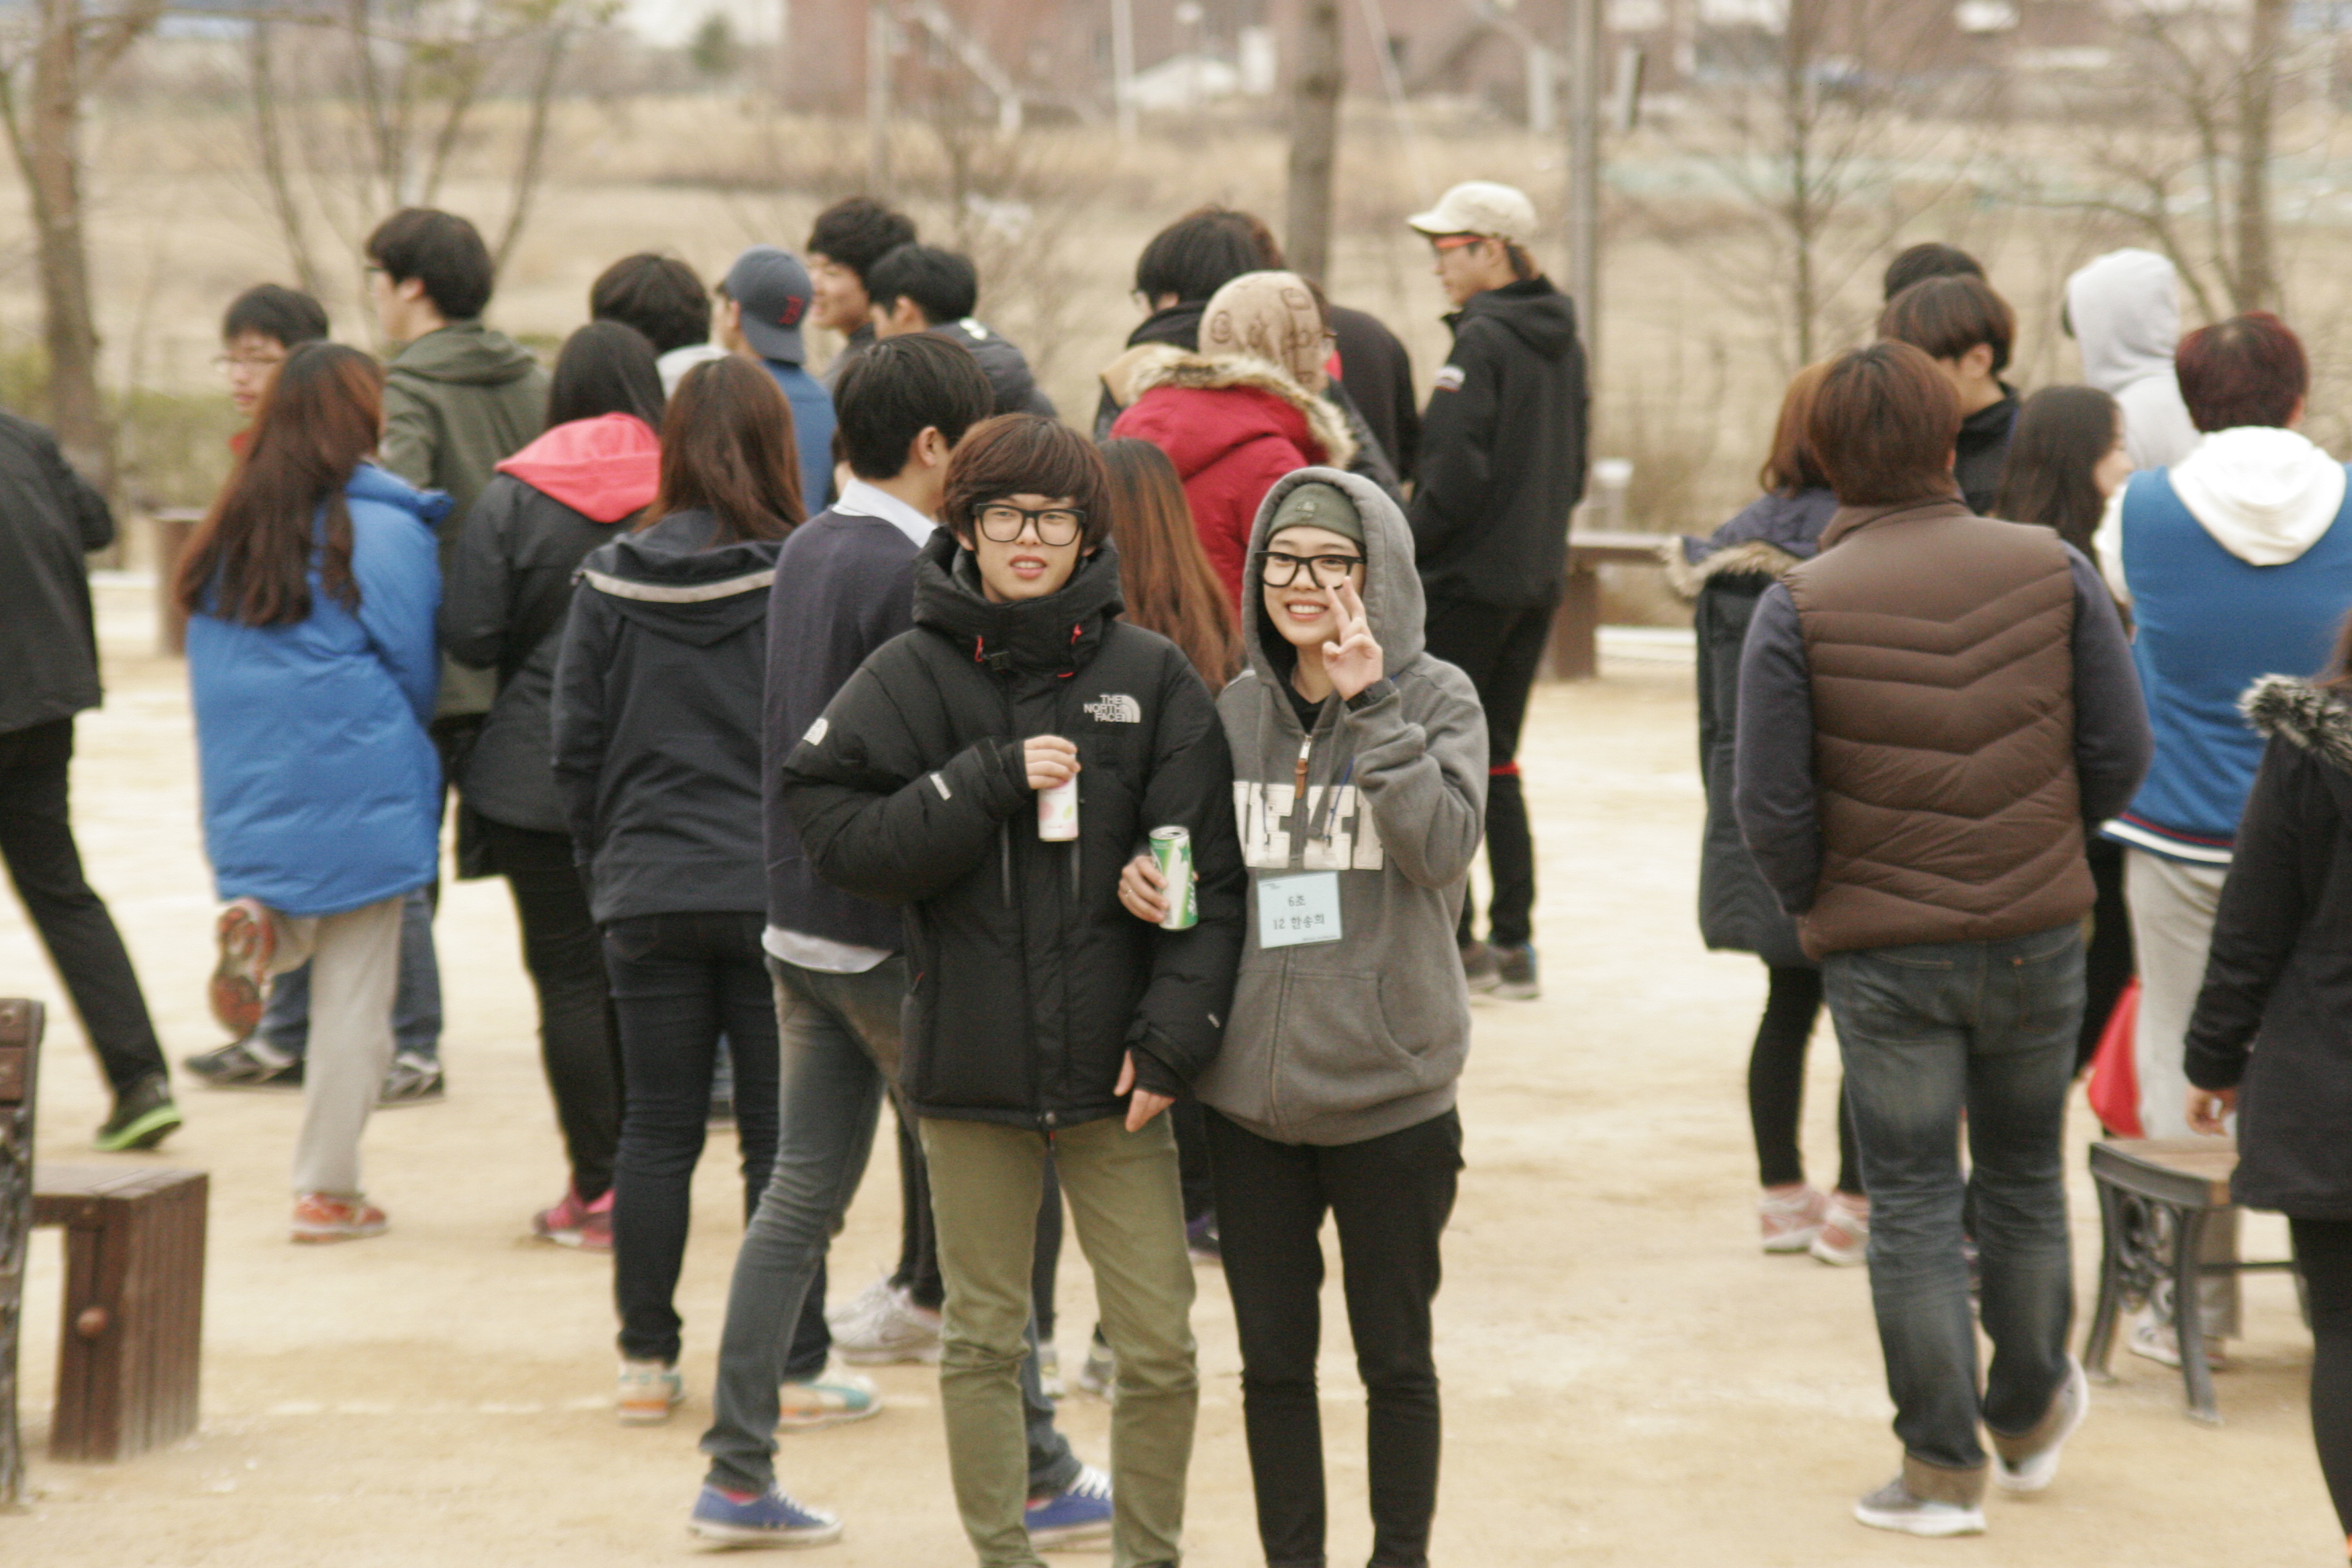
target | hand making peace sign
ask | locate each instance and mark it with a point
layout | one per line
(1354, 661)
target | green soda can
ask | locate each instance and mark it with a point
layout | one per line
(1172, 847)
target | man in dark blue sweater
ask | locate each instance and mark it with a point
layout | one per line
(845, 586)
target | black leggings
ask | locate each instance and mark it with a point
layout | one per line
(2323, 1250)
(2109, 963)
(1776, 1084)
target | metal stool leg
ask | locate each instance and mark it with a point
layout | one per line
(2187, 1314)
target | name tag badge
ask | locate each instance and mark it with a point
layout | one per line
(1295, 911)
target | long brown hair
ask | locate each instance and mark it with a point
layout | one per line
(250, 559)
(727, 448)
(1163, 573)
(1792, 469)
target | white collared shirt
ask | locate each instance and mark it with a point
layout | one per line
(859, 498)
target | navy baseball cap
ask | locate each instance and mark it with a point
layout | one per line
(773, 287)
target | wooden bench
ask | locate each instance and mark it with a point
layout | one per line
(20, 1062)
(129, 1353)
(1575, 649)
(2154, 1196)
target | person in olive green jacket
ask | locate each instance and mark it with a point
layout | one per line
(458, 398)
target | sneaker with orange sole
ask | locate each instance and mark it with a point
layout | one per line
(322, 1218)
(240, 983)
(1792, 1217)
(1844, 1237)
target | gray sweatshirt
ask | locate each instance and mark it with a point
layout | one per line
(1338, 1042)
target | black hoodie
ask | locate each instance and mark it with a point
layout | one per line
(1502, 451)
(1006, 367)
(1030, 981)
(657, 720)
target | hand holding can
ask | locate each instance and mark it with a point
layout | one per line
(1172, 848)
(1053, 769)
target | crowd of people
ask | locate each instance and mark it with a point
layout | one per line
(2024, 798)
(1107, 803)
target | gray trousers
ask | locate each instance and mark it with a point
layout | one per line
(840, 1051)
(354, 959)
(2172, 905)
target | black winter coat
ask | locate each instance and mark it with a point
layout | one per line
(2280, 966)
(1502, 451)
(49, 519)
(1981, 453)
(503, 608)
(1030, 981)
(658, 693)
(1724, 576)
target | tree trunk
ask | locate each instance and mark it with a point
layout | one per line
(52, 177)
(1313, 139)
(2258, 287)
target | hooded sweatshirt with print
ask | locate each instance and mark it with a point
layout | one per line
(455, 402)
(2237, 563)
(1340, 1041)
(503, 607)
(2124, 307)
(1233, 424)
(658, 693)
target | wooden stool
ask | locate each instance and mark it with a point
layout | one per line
(20, 1064)
(134, 1308)
(2155, 1195)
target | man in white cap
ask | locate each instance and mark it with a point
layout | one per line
(1501, 467)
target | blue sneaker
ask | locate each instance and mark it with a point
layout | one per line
(760, 1518)
(1076, 1516)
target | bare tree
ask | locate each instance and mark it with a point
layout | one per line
(1320, 79)
(45, 78)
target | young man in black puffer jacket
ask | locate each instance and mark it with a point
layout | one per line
(1044, 1022)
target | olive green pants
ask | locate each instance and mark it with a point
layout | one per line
(986, 1183)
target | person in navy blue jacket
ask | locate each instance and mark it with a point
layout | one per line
(311, 592)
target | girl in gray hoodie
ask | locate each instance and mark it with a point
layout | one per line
(1359, 770)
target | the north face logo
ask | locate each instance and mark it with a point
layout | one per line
(1115, 708)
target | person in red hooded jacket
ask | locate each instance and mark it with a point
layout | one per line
(1243, 411)
(577, 486)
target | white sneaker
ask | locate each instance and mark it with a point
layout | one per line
(1844, 1237)
(1791, 1217)
(1895, 1507)
(2028, 1462)
(2155, 1337)
(844, 1316)
(899, 1331)
(648, 1392)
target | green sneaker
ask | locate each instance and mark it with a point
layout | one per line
(144, 1116)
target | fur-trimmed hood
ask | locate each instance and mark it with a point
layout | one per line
(1770, 534)
(1749, 558)
(1165, 364)
(2293, 708)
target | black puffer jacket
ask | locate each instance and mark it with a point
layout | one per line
(1724, 576)
(2281, 963)
(1502, 451)
(1031, 980)
(658, 696)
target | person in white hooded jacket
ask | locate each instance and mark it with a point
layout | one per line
(2124, 310)
(2237, 563)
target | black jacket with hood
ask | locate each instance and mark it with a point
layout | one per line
(657, 701)
(2280, 966)
(1030, 981)
(1503, 451)
(1343, 1041)
(49, 519)
(1006, 367)
(1723, 577)
(1981, 453)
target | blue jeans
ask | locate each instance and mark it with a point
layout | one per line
(415, 998)
(1929, 1031)
(840, 1054)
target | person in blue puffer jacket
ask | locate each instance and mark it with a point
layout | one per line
(311, 592)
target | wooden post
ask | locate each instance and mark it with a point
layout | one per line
(1316, 86)
(20, 1062)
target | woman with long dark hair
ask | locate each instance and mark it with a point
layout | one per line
(570, 491)
(310, 591)
(1724, 576)
(658, 689)
(1163, 573)
(2066, 457)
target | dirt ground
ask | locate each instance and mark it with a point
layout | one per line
(1628, 1381)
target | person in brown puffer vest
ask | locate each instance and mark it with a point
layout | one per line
(1931, 712)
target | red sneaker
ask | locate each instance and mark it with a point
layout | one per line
(320, 1218)
(573, 1223)
(240, 983)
